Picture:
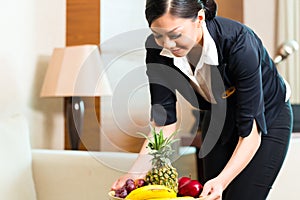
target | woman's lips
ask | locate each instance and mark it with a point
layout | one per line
(175, 51)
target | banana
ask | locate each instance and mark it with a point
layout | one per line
(176, 198)
(151, 192)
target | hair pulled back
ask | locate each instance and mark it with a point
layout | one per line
(179, 8)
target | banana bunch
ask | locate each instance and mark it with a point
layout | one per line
(151, 192)
(176, 198)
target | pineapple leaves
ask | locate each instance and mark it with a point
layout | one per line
(161, 137)
(144, 135)
(170, 139)
(158, 142)
(150, 144)
(156, 139)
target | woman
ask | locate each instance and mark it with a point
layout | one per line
(192, 48)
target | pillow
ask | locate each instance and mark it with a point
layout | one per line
(16, 181)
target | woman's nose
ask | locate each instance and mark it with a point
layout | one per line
(168, 44)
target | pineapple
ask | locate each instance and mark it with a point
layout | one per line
(162, 172)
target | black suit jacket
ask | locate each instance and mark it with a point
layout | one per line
(244, 64)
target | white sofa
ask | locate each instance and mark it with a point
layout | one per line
(287, 184)
(30, 174)
(72, 175)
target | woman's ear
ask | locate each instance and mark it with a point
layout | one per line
(201, 15)
(200, 18)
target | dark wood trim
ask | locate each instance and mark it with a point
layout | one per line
(83, 27)
(233, 9)
(83, 22)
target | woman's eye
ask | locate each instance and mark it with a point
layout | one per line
(173, 37)
(157, 36)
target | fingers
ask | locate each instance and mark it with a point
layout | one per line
(213, 196)
(117, 184)
(205, 192)
(122, 180)
(114, 186)
(210, 196)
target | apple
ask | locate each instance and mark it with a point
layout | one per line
(189, 187)
(182, 181)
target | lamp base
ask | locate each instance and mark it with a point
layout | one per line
(74, 111)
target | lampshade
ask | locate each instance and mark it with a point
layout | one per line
(76, 71)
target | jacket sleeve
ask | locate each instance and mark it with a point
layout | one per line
(162, 93)
(245, 66)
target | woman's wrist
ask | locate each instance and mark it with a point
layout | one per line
(141, 165)
(224, 180)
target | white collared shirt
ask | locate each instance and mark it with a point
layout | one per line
(201, 78)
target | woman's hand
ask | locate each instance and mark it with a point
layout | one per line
(121, 180)
(212, 190)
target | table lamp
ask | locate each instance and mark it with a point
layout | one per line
(75, 72)
(286, 49)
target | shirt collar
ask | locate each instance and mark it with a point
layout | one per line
(209, 51)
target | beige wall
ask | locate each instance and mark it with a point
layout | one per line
(32, 28)
(258, 15)
(261, 16)
(120, 124)
(29, 31)
(123, 119)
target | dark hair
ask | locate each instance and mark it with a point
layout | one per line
(179, 8)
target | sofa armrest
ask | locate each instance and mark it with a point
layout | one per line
(287, 184)
(77, 175)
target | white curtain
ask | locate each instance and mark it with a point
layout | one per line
(288, 28)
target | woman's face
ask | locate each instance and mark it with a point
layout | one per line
(179, 35)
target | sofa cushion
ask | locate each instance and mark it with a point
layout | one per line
(15, 155)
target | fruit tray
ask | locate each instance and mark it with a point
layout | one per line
(111, 195)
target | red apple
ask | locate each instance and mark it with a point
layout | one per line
(189, 187)
(182, 181)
